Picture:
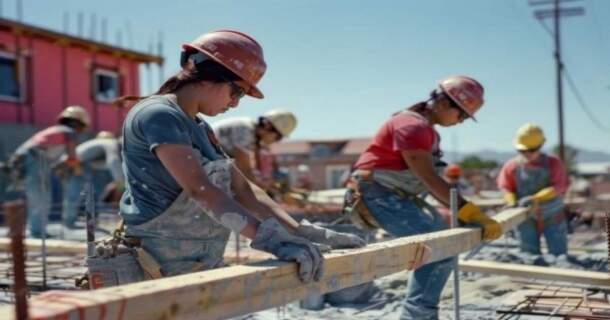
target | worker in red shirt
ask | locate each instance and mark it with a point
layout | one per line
(401, 163)
(537, 180)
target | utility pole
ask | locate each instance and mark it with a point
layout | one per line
(556, 13)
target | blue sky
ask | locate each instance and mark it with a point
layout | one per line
(345, 66)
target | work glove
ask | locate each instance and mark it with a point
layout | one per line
(272, 237)
(543, 195)
(511, 200)
(526, 201)
(336, 240)
(470, 213)
(74, 166)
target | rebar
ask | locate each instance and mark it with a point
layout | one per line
(90, 208)
(15, 215)
(453, 202)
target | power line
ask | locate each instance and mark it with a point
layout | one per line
(582, 102)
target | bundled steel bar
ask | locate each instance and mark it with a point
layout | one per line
(15, 216)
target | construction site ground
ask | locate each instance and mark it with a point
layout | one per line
(482, 296)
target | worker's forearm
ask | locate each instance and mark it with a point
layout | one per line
(441, 190)
(227, 211)
(264, 207)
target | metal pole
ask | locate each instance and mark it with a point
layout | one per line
(237, 247)
(15, 216)
(559, 67)
(90, 208)
(453, 202)
(45, 180)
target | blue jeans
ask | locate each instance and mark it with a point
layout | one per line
(37, 192)
(401, 217)
(555, 232)
(74, 186)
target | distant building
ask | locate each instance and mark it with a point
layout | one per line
(329, 161)
(42, 71)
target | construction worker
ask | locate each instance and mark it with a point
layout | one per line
(403, 161)
(453, 174)
(183, 195)
(539, 181)
(101, 153)
(35, 158)
(245, 139)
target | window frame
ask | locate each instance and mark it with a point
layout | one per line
(101, 71)
(19, 62)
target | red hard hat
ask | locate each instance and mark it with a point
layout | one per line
(237, 52)
(453, 171)
(466, 92)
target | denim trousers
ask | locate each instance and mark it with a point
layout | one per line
(555, 230)
(37, 192)
(401, 217)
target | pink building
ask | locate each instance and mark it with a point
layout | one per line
(42, 71)
(329, 161)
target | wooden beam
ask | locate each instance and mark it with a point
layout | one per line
(537, 272)
(238, 290)
(53, 246)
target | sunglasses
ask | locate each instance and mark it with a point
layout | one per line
(237, 92)
(463, 115)
(529, 150)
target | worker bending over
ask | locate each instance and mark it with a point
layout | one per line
(183, 194)
(36, 157)
(402, 162)
(247, 140)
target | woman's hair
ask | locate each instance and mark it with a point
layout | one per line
(207, 70)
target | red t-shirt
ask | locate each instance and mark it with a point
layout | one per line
(559, 178)
(403, 132)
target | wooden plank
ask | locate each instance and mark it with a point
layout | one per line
(537, 272)
(53, 246)
(238, 290)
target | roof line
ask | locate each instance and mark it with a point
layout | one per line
(47, 33)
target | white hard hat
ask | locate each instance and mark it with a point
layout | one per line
(282, 120)
(76, 113)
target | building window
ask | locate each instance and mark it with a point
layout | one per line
(11, 79)
(105, 85)
(336, 175)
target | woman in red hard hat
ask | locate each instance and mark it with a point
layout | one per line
(183, 194)
(402, 161)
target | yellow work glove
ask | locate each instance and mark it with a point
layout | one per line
(545, 194)
(471, 213)
(511, 199)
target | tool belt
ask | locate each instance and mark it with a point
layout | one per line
(357, 210)
(541, 222)
(118, 260)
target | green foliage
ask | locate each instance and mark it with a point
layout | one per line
(474, 162)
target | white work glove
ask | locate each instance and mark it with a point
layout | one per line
(336, 240)
(526, 201)
(272, 237)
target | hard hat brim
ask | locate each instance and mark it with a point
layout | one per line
(253, 91)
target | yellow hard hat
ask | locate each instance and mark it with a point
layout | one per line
(105, 135)
(529, 137)
(282, 120)
(76, 113)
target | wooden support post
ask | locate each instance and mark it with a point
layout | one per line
(15, 215)
(238, 290)
(537, 272)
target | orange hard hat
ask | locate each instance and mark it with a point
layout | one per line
(466, 92)
(236, 51)
(453, 171)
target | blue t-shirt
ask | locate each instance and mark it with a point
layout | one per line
(149, 187)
